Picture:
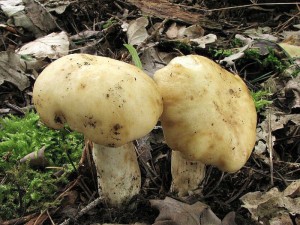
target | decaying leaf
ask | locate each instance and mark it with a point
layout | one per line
(273, 204)
(11, 70)
(30, 15)
(36, 159)
(261, 33)
(229, 60)
(191, 34)
(55, 5)
(136, 31)
(173, 212)
(153, 60)
(276, 122)
(207, 39)
(292, 50)
(53, 46)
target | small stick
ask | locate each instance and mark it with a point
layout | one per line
(83, 211)
(270, 148)
(50, 218)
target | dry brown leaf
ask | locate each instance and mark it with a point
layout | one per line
(11, 70)
(273, 204)
(53, 46)
(30, 15)
(153, 60)
(173, 212)
(36, 159)
(136, 31)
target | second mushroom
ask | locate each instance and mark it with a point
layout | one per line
(209, 117)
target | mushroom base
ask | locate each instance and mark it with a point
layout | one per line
(187, 174)
(118, 173)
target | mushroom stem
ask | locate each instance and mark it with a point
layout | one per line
(118, 173)
(187, 174)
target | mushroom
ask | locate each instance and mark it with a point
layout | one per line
(209, 117)
(112, 103)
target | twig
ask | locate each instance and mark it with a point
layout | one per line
(15, 107)
(256, 4)
(83, 211)
(270, 147)
(216, 186)
(50, 218)
(21, 220)
(245, 185)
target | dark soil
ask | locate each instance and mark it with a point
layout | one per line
(220, 191)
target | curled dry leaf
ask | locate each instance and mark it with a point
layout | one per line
(273, 204)
(153, 60)
(36, 159)
(173, 212)
(11, 70)
(55, 5)
(30, 15)
(136, 31)
(53, 46)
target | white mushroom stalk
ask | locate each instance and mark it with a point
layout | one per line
(112, 103)
(209, 115)
(187, 175)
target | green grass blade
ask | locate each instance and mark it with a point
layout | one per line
(135, 57)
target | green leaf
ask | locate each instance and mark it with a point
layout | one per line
(134, 55)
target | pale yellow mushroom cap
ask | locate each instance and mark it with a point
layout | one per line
(209, 114)
(109, 101)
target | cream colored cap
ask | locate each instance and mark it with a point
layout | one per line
(209, 114)
(109, 101)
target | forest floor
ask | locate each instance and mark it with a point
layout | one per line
(258, 40)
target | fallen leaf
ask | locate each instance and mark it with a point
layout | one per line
(36, 159)
(261, 33)
(30, 15)
(207, 39)
(273, 204)
(173, 31)
(153, 60)
(173, 212)
(292, 50)
(39, 16)
(192, 32)
(229, 219)
(55, 6)
(11, 70)
(136, 31)
(229, 60)
(11, 7)
(53, 46)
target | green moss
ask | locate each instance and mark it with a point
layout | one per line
(24, 189)
(261, 99)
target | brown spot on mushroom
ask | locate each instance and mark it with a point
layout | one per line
(231, 91)
(117, 127)
(82, 86)
(59, 118)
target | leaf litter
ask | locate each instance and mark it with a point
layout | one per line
(269, 196)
